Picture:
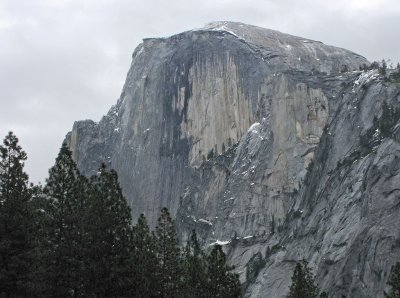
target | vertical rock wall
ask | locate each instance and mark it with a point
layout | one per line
(252, 137)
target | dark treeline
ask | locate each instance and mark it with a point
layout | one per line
(74, 238)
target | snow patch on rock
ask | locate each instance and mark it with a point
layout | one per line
(220, 242)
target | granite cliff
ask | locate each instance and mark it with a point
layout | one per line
(275, 146)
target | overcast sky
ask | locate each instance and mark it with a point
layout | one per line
(66, 60)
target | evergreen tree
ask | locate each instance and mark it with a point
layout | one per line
(303, 285)
(390, 117)
(16, 243)
(221, 281)
(168, 255)
(144, 261)
(63, 236)
(108, 238)
(394, 281)
(383, 67)
(86, 233)
(194, 269)
(39, 218)
(374, 65)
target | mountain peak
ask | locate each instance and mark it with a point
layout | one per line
(261, 141)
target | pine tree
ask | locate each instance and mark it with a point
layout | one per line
(221, 281)
(303, 285)
(383, 67)
(168, 255)
(108, 238)
(39, 218)
(144, 261)
(16, 243)
(394, 281)
(390, 117)
(63, 238)
(374, 65)
(194, 269)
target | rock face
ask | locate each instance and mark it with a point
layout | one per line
(263, 142)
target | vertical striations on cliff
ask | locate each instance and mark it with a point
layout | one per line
(264, 142)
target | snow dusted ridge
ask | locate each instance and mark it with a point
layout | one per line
(364, 78)
(220, 26)
(238, 29)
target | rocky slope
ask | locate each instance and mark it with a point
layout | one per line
(265, 143)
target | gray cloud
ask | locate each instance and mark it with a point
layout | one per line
(66, 60)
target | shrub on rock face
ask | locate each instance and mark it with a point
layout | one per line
(394, 281)
(390, 116)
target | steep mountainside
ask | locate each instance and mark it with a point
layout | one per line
(266, 143)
